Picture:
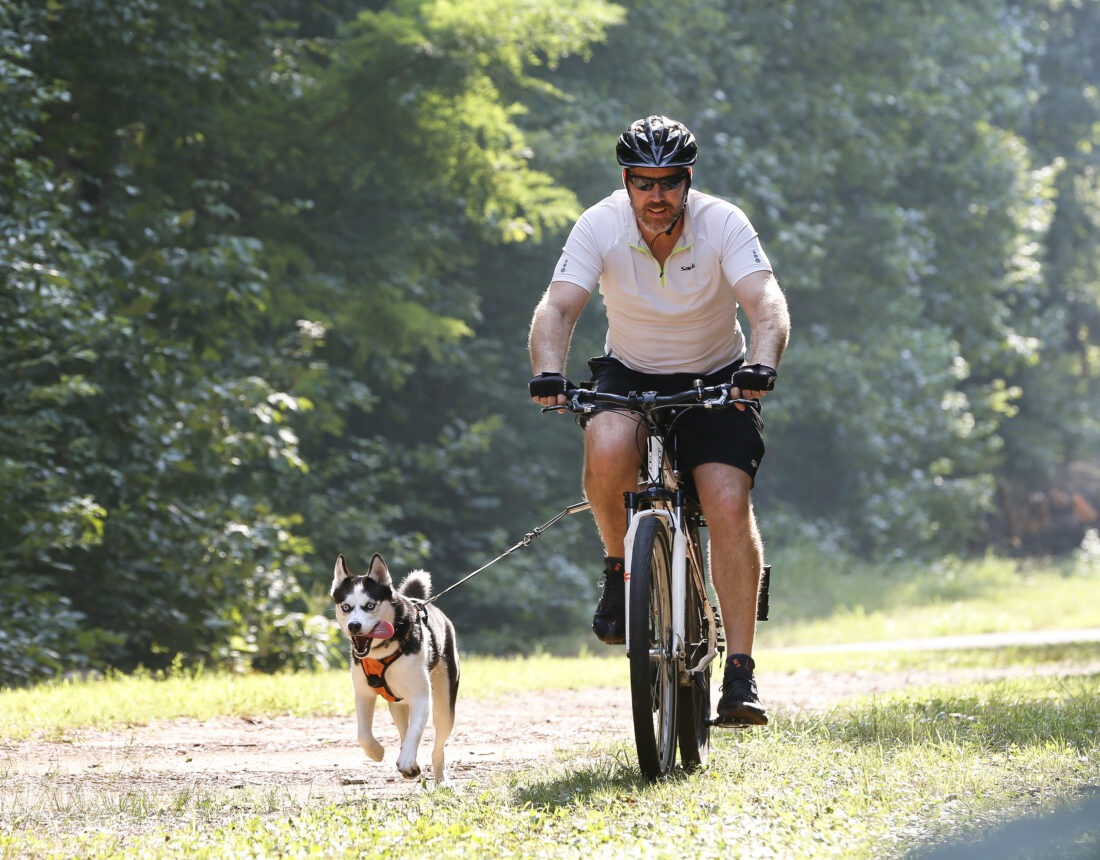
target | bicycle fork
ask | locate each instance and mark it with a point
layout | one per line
(657, 501)
(636, 517)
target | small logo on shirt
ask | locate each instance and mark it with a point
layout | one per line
(755, 255)
(687, 268)
(565, 263)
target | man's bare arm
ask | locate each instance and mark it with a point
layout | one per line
(552, 326)
(765, 308)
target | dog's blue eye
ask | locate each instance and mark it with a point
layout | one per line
(345, 607)
(371, 604)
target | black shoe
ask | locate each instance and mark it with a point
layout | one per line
(609, 622)
(740, 705)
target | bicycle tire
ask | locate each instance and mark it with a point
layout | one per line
(654, 675)
(693, 710)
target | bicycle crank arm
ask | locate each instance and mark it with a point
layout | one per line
(706, 661)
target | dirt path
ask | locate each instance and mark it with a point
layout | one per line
(319, 759)
(314, 757)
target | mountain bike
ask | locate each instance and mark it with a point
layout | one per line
(673, 630)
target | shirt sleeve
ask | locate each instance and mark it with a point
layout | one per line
(742, 253)
(581, 260)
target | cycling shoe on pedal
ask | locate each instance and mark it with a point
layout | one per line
(739, 705)
(609, 622)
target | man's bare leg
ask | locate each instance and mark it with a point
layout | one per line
(736, 554)
(611, 463)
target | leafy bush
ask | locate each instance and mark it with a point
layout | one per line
(43, 636)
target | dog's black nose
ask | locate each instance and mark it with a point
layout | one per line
(353, 626)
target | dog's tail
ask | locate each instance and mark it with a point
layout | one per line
(417, 585)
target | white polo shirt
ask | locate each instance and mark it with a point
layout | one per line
(682, 319)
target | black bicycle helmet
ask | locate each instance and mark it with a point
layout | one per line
(657, 141)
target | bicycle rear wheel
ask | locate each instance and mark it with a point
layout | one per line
(693, 719)
(654, 681)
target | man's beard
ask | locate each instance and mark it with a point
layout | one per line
(655, 223)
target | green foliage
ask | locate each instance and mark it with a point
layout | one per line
(1062, 299)
(135, 418)
(234, 232)
(43, 636)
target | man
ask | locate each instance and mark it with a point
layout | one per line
(672, 265)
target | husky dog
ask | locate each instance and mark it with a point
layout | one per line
(404, 650)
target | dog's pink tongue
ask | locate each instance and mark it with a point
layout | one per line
(381, 630)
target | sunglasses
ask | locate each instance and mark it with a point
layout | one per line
(666, 183)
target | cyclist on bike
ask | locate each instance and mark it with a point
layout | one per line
(672, 265)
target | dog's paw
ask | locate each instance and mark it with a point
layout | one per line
(408, 770)
(444, 781)
(373, 749)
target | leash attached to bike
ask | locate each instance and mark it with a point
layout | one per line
(762, 603)
(575, 508)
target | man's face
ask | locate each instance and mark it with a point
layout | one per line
(656, 208)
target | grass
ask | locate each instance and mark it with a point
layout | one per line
(819, 599)
(899, 775)
(121, 700)
(900, 660)
(876, 779)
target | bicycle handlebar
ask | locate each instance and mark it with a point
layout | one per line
(708, 397)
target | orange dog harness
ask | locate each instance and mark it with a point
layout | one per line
(375, 671)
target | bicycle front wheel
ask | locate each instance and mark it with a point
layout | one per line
(653, 673)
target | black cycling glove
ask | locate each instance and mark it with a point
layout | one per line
(754, 377)
(547, 385)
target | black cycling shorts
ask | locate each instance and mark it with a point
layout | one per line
(732, 436)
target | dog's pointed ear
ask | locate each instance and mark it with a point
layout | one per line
(379, 572)
(340, 573)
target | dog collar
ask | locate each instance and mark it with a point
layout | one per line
(375, 672)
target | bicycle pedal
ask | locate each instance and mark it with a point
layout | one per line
(742, 724)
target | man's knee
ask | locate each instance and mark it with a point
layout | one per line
(725, 492)
(610, 446)
(732, 508)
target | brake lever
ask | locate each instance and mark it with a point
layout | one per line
(572, 404)
(720, 401)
